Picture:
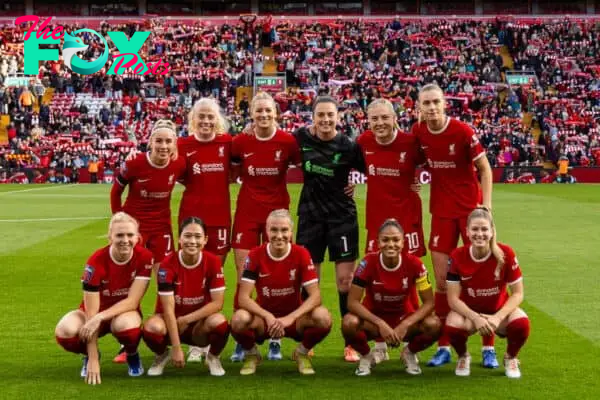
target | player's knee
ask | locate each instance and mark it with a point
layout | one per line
(344, 282)
(350, 323)
(240, 321)
(155, 325)
(432, 325)
(321, 317)
(66, 330)
(125, 321)
(455, 320)
(215, 320)
(518, 313)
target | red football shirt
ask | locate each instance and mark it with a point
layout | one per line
(481, 290)
(279, 281)
(264, 165)
(388, 291)
(390, 173)
(150, 188)
(191, 285)
(112, 279)
(450, 157)
(206, 182)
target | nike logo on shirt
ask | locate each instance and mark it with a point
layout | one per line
(246, 155)
(143, 180)
(191, 153)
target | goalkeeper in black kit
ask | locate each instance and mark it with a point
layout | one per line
(327, 217)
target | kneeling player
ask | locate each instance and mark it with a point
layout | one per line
(477, 281)
(279, 270)
(191, 289)
(389, 277)
(114, 279)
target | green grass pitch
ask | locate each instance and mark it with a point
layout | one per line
(47, 233)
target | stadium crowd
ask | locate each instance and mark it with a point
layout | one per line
(99, 118)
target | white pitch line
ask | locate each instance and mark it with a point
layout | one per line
(53, 219)
(36, 189)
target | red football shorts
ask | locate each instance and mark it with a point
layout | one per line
(445, 233)
(160, 244)
(219, 240)
(247, 235)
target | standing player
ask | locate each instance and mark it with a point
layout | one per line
(453, 154)
(208, 154)
(151, 177)
(114, 279)
(478, 277)
(391, 157)
(264, 158)
(389, 277)
(279, 270)
(191, 290)
(326, 214)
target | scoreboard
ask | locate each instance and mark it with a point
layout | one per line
(271, 84)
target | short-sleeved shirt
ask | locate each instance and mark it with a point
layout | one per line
(326, 166)
(150, 188)
(191, 285)
(279, 281)
(208, 169)
(390, 170)
(111, 279)
(388, 291)
(481, 290)
(264, 164)
(451, 154)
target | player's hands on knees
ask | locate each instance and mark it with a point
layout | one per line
(349, 190)
(401, 330)
(388, 334)
(286, 321)
(90, 327)
(493, 321)
(93, 372)
(482, 325)
(177, 357)
(274, 326)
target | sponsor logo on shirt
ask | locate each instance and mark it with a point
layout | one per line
(198, 168)
(252, 171)
(317, 169)
(154, 195)
(266, 292)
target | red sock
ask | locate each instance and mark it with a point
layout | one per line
(247, 338)
(442, 309)
(517, 333)
(420, 343)
(129, 338)
(488, 341)
(458, 339)
(155, 341)
(312, 336)
(359, 343)
(74, 344)
(218, 338)
(379, 339)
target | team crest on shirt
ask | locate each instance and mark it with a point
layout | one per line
(403, 157)
(162, 276)
(277, 155)
(293, 274)
(171, 179)
(221, 151)
(405, 283)
(436, 239)
(451, 148)
(361, 267)
(238, 239)
(88, 273)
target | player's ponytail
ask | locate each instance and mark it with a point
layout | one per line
(484, 213)
(164, 125)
